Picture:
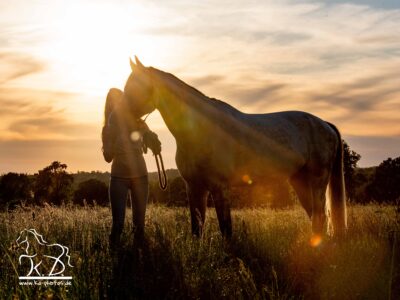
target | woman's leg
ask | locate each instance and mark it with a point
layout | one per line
(118, 192)
(140, 192)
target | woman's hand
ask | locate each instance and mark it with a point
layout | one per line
(150, 140)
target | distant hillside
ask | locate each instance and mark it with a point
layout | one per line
(105, 176)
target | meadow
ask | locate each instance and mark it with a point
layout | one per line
(269, 257)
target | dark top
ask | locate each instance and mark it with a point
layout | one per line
(122, 144)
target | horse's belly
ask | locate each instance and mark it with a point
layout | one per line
(248, 167)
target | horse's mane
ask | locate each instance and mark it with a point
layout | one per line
(173, 80)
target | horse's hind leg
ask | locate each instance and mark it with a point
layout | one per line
(302, 186)
(319, 185)
(311, 193)
(223, 210)
(197, 196)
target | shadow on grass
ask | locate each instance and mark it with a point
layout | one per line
(146, 271)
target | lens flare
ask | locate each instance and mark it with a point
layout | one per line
(246, 178)
(315, 240)
(135, 136)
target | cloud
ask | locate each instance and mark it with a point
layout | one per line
(382, 4)
(205, 80)
(16, 103)
(263, 96)
(16, 65)
(52, 127)
(29, 114)
(363, 94)
(29, 156)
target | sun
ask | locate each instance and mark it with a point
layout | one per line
(85, 47)
(90, 45)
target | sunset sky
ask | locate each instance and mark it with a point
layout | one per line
(339, 60)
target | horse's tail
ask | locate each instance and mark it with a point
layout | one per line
(337, 194)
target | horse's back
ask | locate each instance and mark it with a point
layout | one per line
(311, 137)
(290, 139)
(295, 125)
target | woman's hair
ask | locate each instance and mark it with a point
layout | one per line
(114, 96)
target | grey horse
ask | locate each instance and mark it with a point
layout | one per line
(219, 146)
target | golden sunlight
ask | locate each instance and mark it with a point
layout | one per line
(90, 44)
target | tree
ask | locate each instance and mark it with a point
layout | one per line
(177, 189)
(350, 160)
(385, 186)
(14, 187)
(53, 184)
(91, 191)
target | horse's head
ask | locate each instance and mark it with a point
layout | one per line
(28, 238)
(139, 90)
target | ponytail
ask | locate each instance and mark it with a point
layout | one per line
(114, 96)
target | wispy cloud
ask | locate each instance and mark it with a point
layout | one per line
(337, 59)
(30, 114)
(52, 127)
(29, 156)
(382, 4)
(16, 65)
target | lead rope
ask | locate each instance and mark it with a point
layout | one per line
(162, 180)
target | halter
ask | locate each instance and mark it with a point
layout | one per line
(147, 116)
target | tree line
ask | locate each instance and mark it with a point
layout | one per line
(54, 185)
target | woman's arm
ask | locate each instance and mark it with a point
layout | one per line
(108, 137)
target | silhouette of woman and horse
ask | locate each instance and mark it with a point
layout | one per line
(218, 146)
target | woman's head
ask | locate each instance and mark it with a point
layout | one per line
(114, 97)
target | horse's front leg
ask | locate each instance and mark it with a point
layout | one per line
(222, 207)
(197, 196)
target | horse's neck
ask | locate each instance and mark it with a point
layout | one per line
(179, 104)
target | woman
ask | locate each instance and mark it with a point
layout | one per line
(122, 138)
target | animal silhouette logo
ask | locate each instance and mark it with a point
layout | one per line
(42, 260)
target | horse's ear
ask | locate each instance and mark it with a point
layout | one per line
(133, 66)
(138, 63)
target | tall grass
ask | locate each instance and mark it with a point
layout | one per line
(269, 257)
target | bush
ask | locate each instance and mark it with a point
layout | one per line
(386, 184)
(90, 192)
(14, 188)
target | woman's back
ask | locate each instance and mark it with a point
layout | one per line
(126, 133)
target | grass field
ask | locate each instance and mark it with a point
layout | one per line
(270, 256)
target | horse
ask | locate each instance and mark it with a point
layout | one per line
(219, 146)
(35, 247)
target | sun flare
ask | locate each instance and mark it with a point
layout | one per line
(315, 240)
